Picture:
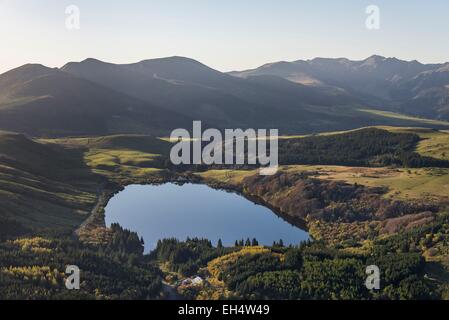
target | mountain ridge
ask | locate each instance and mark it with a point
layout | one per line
(193, 89)
(155, 96)
(37, 100)
(383, 82)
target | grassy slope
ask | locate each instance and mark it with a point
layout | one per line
(399, 116)
(436, 144)
(402, 183)
(428, 183)
(121, 157)
(54, 183)
(44, 185)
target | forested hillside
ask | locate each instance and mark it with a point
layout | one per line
(51, 186)
(365, 147)
(34, 267)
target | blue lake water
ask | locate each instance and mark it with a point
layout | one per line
(191, 210)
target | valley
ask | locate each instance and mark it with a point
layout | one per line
(364, 170)
(349, 209)
(242, 158)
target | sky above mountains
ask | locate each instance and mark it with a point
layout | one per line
(226, 35)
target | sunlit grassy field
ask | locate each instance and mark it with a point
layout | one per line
(402, 183)
(120, 156)
(431, 183)
(400, 116)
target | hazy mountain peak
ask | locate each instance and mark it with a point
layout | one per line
(23, 74)
(31, 69)
(173, 59)
(321, 59)
(173, 64)
(277, 63)
(93, 61)
(376, 57)
(86, 63)
(373, 61)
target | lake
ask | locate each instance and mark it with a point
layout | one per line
(192, 210)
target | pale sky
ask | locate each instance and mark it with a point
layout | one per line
(224, 34)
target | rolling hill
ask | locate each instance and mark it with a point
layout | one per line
(44, 185)
(40, 101)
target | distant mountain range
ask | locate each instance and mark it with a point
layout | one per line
(155, 96)
(388, 83)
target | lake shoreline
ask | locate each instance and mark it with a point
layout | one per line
(97, 218)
